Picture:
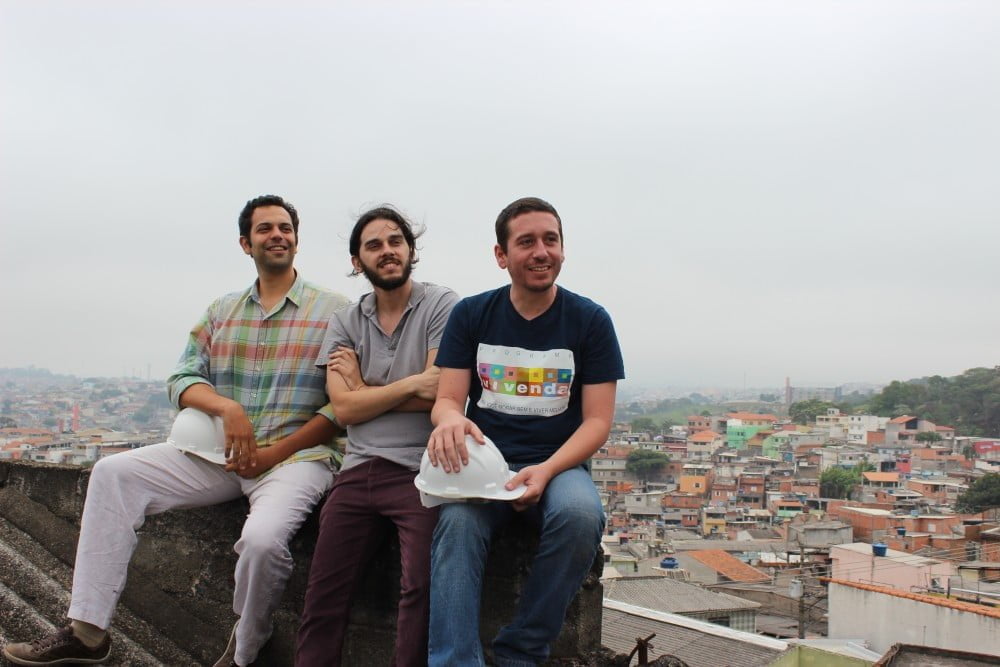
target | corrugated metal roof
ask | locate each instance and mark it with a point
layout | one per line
(674, 597)
(696, 642)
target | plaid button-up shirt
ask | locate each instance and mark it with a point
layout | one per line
(265, 361)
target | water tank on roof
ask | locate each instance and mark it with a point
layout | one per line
(668, 563)
(879, 549)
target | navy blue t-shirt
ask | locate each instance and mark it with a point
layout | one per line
(527, 374)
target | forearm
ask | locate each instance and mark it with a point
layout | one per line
(414, 405)
(444, 406)
(203, 397)
(355, 407)
(585, 441)
(317, 431)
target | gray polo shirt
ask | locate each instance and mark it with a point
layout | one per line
(399, 437)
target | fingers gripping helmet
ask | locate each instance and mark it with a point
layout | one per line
(484, 477)
(195, 432)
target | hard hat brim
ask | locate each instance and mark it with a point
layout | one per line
(218, 459)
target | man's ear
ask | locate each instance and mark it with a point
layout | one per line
(356, 263)
(245, 244)
(501, 256)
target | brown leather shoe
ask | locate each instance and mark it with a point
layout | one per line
(62, 646)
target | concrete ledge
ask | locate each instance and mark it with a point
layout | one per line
(180, 580)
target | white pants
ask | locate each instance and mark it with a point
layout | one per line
(127, 487)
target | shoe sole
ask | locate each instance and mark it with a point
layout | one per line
(60, 661)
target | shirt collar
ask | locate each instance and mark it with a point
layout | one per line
(417, 292)
(294, 293)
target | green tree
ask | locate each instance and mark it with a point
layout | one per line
(644, 425)
(982, 495)
(7, 422)
(897, 398)
(929, 436)
(804, 412)
(836, 483)
(645, 463)
(969, 402)
(860, 468)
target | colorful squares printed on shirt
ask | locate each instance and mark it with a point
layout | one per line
(521, 381)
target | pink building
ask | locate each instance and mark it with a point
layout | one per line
(897, 569)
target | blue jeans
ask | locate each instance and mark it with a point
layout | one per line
(571, 522)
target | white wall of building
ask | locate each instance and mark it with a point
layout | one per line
(883, 620)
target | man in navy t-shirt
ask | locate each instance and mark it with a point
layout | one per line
(539, 366)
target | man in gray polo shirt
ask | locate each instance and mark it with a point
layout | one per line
(382, 383)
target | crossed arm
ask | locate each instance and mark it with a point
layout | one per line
(446, 446)
(355, 402)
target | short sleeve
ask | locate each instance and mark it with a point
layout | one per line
(457, 348)
(336, 335)
(439, 318)
(602, 361)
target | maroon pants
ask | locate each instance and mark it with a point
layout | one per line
(353, 525)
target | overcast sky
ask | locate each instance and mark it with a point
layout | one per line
(753, 190)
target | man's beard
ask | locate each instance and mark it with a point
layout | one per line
(387, 284)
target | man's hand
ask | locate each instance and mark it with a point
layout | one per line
(267, 458)
(536, 478)
(446, 446)
(426, 383)
(241, 445)
(344, 360)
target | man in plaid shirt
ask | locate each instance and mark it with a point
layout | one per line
(251, 361)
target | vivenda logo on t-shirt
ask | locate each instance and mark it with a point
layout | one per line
(524, 382)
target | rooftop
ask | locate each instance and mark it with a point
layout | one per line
(729, 566)
(882, 476)
(696, 642)
(660, 593)
(929, 599)
(900, 557)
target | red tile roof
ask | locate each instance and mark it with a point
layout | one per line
(728, 566)
(902, 419)
(751, 416)
(882, 476)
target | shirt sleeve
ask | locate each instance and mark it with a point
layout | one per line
(439, 318)
(457, 349)
(602, 361)
(194, 366)
(336, 335)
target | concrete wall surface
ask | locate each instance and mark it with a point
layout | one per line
(898, 569)
(883, 620)
(177, 605)
(807, 656)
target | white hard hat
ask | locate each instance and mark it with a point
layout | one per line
(200, 434)
(484, 477)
